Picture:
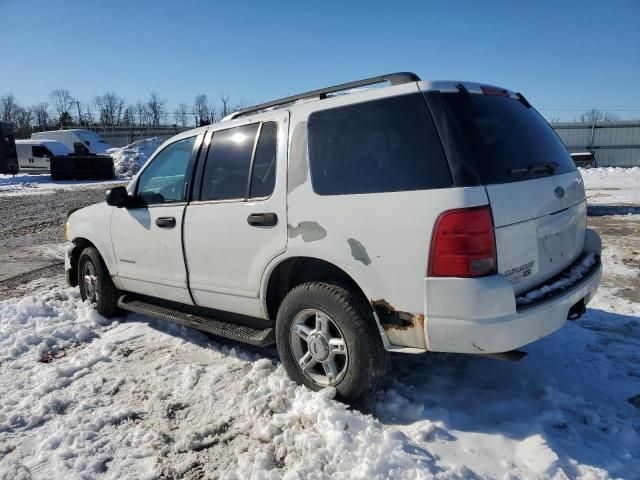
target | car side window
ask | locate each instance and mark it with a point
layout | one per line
(40, 152)
(263, 174)
(226, 173)
(384, 145)
(164, 179)
(80, 148)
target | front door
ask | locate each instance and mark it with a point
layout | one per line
(237, 223)
(147, 237)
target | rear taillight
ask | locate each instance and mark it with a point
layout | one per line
(463, 244)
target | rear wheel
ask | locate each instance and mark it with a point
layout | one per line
(326, 336)
(95, 283)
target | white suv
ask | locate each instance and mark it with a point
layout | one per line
(345, 223)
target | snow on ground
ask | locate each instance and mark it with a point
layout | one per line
(39, 184)
(612, 186)
(128, 160)
(85, 397)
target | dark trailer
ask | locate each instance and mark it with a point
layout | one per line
(8, 154)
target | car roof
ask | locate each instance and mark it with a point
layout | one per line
(357, 94)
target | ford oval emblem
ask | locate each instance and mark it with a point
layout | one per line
(559, 191)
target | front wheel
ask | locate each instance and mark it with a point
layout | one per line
(326, 336)
(95, 283)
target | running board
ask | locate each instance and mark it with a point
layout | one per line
(232, 331)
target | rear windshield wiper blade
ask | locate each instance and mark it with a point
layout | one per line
(466, 94)
(549, 167)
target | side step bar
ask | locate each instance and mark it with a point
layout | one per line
(232, 331)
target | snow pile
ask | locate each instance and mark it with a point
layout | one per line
(83, 397)
(128, 160)
(568, 278)
(612, 185)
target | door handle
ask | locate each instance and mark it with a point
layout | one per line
(166, 222)
(262, 219)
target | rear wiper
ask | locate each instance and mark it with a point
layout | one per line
(523, 100)
(549, 167)
(466, 94)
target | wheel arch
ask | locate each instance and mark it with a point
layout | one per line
(79, 244)
(292, 271)
(400, 331)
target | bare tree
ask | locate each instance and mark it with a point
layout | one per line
(8, 107)
(242, 103)
(109, 107)
(596, 115)
(141, 113)
(155, 104)
(129, 115)
(181, 114)
(41, 115)
(61, 101)
(201, 109)
(213, 111)
(23, 118)
(225, 108)
(87, 115)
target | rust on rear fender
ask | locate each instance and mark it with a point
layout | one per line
(402, 328)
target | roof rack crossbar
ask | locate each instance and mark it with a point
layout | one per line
(393, 78)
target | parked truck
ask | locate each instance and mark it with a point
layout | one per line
(79, 140)
(80, 156)
(34, 156)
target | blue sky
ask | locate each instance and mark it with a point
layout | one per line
(562, 55)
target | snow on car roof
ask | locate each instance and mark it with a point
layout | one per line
(56, 147)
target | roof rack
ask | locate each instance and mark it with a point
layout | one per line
(393, 78)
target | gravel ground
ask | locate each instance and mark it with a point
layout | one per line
(32, 234)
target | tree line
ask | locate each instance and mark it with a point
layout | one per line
(109, 109)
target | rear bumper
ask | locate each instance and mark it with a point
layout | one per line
(480, 315)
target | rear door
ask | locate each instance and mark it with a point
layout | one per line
(536, 194)
(237, 222)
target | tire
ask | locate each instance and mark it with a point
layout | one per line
(99, 289)
(355, 374)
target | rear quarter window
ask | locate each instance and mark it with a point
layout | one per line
(384, 145)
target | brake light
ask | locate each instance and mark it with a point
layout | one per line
(463, 244)
(494, 91)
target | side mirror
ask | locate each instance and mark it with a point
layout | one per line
(117, 197)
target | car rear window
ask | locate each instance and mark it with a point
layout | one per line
(384, 145)
(500, 138)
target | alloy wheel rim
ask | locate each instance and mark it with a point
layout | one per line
(90, 281)
(319, 347)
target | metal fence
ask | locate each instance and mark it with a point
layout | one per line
(121, 136)
(614, 144)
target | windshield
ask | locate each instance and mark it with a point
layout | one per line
(57, 148)
(499, 138)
